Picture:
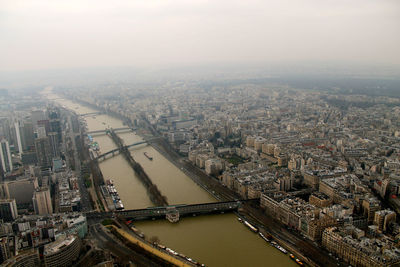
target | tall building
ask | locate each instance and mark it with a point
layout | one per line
(42, 201)
(55, 126)
(40, 132)
(8, 210)
(45, 124)
(54, 144)
(5, 156)
(37, 115)
(43, 151)
(5, 129)
(28, 136)
(18, 136)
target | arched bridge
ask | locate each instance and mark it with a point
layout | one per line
(116, 151)
(183, 210)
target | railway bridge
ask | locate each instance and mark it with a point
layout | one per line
(106, 131)
(183, 210)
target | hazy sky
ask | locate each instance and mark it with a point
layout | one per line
(40, 34)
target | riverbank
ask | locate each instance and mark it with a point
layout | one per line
(140, 244)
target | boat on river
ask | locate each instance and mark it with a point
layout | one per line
(251, 227)
(148, 156)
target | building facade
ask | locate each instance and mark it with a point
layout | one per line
(42, 201)
(63, 252)
(8, 210)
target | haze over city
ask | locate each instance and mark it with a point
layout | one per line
(200, 133)
(43, 35)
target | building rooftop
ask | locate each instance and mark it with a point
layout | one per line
(60, 243)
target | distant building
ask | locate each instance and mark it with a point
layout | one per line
(55, 126)
(54, 144)
(43, 151)
(18, 136)
(5, 129)
(45, 124)
(183, 123)
(29, 158)
(28, 136)
(37, 115)
(57, 165)
(42, 202)
(21, 190)
(5, 156)
(8, 210)
(40, 132)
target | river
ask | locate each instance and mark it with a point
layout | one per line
(215, 240)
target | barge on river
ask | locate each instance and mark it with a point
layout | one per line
(114, 195)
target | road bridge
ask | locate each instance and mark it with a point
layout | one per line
(183, 210)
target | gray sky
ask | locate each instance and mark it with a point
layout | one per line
(51, 34)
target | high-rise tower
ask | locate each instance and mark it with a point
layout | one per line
(5, 156)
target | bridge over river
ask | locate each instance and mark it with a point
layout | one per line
(182, 210)
(91, 114)
(106, 131)
(117, 151)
